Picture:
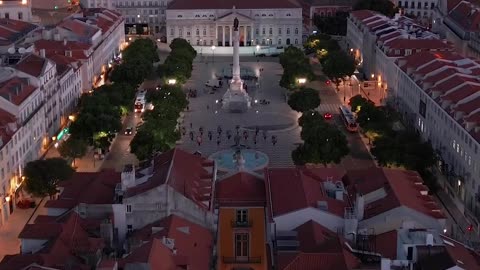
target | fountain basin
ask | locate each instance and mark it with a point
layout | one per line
(254, 160)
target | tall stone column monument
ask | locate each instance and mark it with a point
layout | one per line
(236, 98)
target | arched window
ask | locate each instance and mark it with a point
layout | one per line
(296, 41)
(204, 31)
(198, 42)
(198, 32)
(263, 41)
(296, 31)
(288, 31)
(288, 41)
(279, 41)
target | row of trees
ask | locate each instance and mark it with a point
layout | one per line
(179, 63)
(322, 143)
(295, 66)
(98, 120)
(159, 132)
(392, 145)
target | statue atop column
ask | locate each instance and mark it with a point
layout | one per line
(235, 24)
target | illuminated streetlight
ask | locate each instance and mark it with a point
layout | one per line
(258, 48)
(172, 81)
(301, 80)
(7, 199)
(138, 16)
(213, 51)
(71, 117)
(459, 183)
(373, 75)
(351, 50)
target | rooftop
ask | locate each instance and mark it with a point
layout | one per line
(192, 242)
(12, 31)
(462, 255)
(79, 28)
(228, 4)
(466, 15)
(187, 173)
(32, 64)
(305, 188)
(74, 49)
(88, 188)
(395, 188)
(8, 125)
(240, 189)
(16, 90)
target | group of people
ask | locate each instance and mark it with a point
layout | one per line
(236, 135)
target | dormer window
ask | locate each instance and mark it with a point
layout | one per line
(211, 15)
(256, 15)
(197, 16)
(288, 14)
(270, 15)
(264, 15)
(179, 16)
(204, 16)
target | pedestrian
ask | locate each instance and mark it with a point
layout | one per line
(191, 125)
(188, 108)
(245, 135)
(256, 130)
(191, 135)
(218, 141)
(219, 130)
(199, 140)
(264, 135)
(229, 135)
(210, 135)
(255, 140)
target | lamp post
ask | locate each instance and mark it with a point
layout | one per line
(213, 51)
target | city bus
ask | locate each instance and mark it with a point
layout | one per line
(140, 101)
(348, 119)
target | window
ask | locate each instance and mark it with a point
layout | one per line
(296, 31)
(263, 31)
(20, 15)
(279, 41)
(129, 208)
(204, 31)
(264, 15)
(279, 31)
(296, 41)
(288, 14)
(129, 228)
(242, 215)
(288, 31)
(197, 16)
(241, 245)
(172, 31)
(399, 3)
(180, 32)
(406, 4)
(179, 16)
(270, 15)
(412, 5)
(426, 5)
(419, 5)
(257, 31)
(7, 15)
(270, 31)
(198, 32)
(432, 5)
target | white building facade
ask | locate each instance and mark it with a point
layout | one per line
(274, 26)
(16, 10)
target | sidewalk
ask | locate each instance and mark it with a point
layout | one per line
(84, 164)
(12, 228)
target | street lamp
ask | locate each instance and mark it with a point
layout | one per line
(301, 80)
(373, 75)
(71, 117)
(213, 51)
(172, 81)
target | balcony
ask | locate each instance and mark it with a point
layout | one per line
(242, 260)
(241, 224)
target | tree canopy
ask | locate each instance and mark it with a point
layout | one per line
(73, 148)
(179, 63)
(323, 143)
(158, 133)
(337, 66)
(42, 176)
(332, 25)
(303, 100)
(385, 7)
(295, 65)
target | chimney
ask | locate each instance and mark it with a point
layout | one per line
(64, 42)
(42, 53)
(128, 177)
(68, 53)
(429, 239)
(359, 206)
(174, 251)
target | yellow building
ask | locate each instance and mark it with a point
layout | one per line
(241, 241)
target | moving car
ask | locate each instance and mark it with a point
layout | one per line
(128, 131)
(327, 116)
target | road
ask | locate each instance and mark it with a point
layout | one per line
(359, 156)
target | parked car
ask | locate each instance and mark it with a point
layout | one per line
(327, 116)
(128, 131)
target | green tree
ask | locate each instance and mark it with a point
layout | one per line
(42, 176)
(332, 25)
(385, 7)
(357, 102)
(323, 143)
(153, 137)
(73, 148)
(303, 100)
(337, 66)
(295, 65)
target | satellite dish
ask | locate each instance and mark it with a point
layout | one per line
(21, 50)
(11, 50)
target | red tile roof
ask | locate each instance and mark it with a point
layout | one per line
(87, 187)
(184, 172)
(13, 30)
(63, 63)
(463, 256)
(6, 120)
(402, 188)
(304, 188)
(32, 64)
(78, 50)
(228, 4)
(362, 14)
(16, 90)
(312, 261)
(192, 242)
(11, 262)
(40, 231)
(240, 189)
(466, 16)
(79, 28)
(314, 237)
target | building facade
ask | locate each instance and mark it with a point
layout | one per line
(16, 10)
(241, 231)
(422, 10)
(149, 16)
(209, 24)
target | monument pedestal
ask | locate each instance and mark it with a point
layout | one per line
(236, 98)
